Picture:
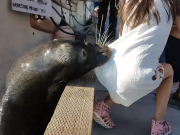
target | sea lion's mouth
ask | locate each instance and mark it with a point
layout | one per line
(106, 52)
(104, 56)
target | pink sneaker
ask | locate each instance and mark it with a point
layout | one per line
(161, 128)
(101, 115)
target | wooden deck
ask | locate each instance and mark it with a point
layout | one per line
(74, 112)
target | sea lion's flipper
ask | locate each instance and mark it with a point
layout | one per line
(54, 94)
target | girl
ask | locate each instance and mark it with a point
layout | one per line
(133, 70)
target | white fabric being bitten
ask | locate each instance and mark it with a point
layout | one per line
(133, 70)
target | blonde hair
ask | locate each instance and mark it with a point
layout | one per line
(142, 10)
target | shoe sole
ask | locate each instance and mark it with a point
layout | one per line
(100, 121)
(168, 133)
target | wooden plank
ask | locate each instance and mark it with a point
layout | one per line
(74, 112)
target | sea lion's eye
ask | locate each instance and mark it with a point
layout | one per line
(84, 54)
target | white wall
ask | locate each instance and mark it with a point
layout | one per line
(16, 38)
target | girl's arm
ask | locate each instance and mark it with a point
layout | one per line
(43, 25)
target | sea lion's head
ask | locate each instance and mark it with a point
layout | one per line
(79, 57)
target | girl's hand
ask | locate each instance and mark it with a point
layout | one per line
(42, 25)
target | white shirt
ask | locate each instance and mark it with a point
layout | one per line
(135, 60)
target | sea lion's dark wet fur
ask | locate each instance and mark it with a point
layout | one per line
(36, 81)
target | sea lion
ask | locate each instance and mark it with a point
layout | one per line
(36, 81)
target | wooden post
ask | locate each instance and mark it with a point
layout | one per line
(74, 112)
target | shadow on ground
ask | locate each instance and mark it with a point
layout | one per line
(135, 120)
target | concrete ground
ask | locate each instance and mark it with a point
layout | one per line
(135, 120)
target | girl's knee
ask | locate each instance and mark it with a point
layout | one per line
(168, 70)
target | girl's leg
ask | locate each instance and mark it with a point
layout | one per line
(109, 101)
(101, 113)
(163, 93)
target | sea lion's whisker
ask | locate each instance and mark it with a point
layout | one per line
(105, 32)
(111, 40)
(107, 43)
(107, 37)
(104, 35)
(67, 59)
(101, 42)
(100, 29)
(97, 38)
(96, 34)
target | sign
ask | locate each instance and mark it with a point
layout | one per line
(39, 7)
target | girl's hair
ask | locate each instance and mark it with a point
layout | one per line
(136, 12)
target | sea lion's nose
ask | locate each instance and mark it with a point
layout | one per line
(101, 58)
(101, 51)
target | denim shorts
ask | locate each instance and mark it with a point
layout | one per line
(162, 58)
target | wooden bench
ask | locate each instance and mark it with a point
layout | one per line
(74, 112)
